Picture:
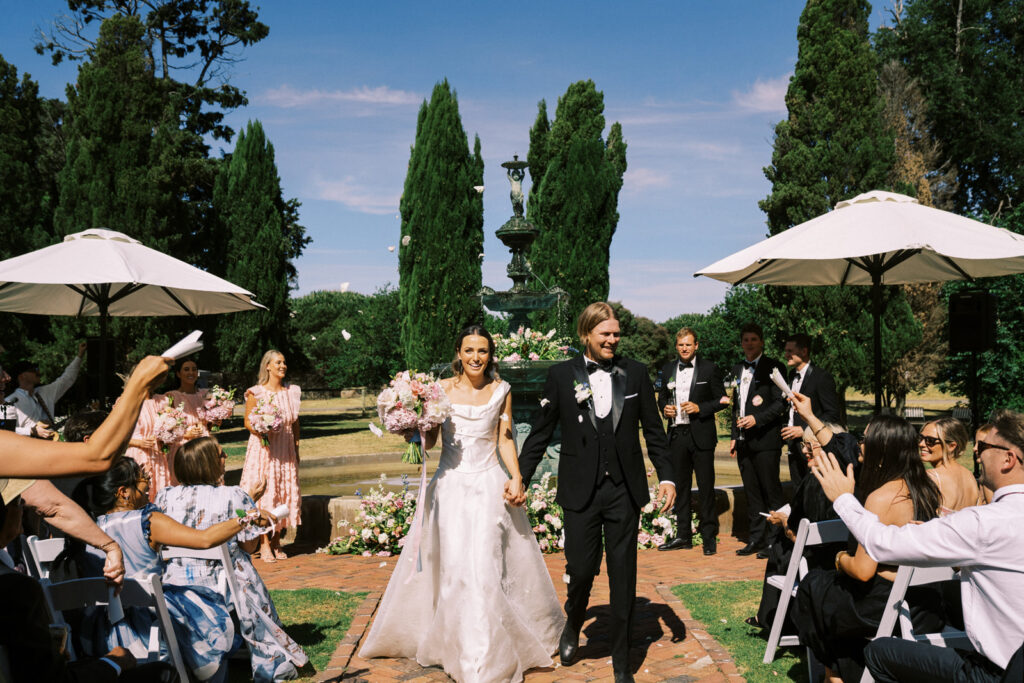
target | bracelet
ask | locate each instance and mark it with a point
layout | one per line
(820, 429)
(839, 556)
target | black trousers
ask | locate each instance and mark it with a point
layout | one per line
(688, 459)
(798, 467)
(611, 515)
(759, 471)
(894, 660)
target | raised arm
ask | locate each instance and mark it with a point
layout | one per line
(166, 531)
(34, 458)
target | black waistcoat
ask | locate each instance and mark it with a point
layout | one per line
(606, 449)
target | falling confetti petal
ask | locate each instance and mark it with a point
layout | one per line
(544, 402)
(391, 247)
(346, 334)
(406, 240)
(383, 564)
(377, 431)
(479, 188)
(344, 286)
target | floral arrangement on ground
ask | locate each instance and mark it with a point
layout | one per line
(526, 344)
(384, 519)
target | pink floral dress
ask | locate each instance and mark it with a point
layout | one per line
(189, 403)
(153, 460)
(277, 462)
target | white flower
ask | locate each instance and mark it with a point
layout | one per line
(312, 338)
(346, 334)
(481, 256)
(382, 539)
(479, 189)
(671, 385)
(366, 533)
(550, 334)
(406, 240)
(344, 286)
(580, 418)
(582, 392)
(544, 402)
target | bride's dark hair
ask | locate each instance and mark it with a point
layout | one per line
(476, 330)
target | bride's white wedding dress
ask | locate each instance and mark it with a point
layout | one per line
(483, 606)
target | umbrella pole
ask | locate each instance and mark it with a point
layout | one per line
(104, 317)
(876, 309)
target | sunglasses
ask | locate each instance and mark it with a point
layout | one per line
(930, 441)
(982, 446)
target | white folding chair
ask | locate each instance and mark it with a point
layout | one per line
(145, 591)
(897, 610)
(41, 554)
(808, 534)
(220, 554)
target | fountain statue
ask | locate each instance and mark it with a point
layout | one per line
(526, 296)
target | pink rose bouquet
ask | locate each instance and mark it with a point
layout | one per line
(412, 403)
(217, 405)
(265, 417)
(170, 424)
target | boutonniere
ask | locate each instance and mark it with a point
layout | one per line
(757, 400)
(671, 385)
(583, 392)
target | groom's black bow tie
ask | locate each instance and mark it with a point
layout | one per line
(752, 364)
(685, 364)
(594, 366)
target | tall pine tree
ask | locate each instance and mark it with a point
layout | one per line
(834, 145)
(576, 176)
(264, 238)
(442, 233)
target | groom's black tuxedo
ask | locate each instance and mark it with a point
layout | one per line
(602, 482)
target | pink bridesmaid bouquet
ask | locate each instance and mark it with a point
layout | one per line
(265, 417)
(218, 405)
(413, 403)
(170, 424)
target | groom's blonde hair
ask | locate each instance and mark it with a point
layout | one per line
(592, 316)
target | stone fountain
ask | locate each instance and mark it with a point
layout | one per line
(526, 296)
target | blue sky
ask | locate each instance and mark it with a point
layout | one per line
(697, 86)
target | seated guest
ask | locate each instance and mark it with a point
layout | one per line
(984, 492)
(200, 501)
(202, 622)
(983, 541)
(942, 442)
(809, 502)
(837, 610)
(32, 652)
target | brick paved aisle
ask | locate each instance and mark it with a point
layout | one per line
(668, 645)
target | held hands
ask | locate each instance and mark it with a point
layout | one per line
(833, 482)
(666, 492)
(515, 494)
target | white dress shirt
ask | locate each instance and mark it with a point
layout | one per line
(746, 379)
(798, 381)
(601, 390)
(684, 377)
(984, 541)
(28, 409)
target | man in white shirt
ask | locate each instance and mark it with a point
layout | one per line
(983, 541)
(35, 404)
(814, 383)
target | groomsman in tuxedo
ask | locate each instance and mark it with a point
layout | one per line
(601, 401)
(691, 393)
(757, 418)
(817, 385)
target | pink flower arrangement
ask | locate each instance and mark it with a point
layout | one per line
(217, 405)
(526, 344)
(412, 403)
(265, 417)
(380, 527)
(170, 423)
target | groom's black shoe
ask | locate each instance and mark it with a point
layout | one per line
(623, 677)
(568, 645)
(676, 544)
(751, 548)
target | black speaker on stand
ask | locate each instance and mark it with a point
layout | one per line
(972, 328)
(93, 362)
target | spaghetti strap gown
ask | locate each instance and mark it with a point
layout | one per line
(483, 606)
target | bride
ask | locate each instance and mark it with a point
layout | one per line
(481, 605)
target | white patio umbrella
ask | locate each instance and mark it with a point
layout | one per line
(877, 238)
(105, 273)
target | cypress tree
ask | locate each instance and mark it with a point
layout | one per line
(249, 206)
(442, 233)
(833, 145)
(576, 176)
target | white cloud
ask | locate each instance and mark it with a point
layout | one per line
(357, 197)
(764, 96)
(288, 97)
(637, 180)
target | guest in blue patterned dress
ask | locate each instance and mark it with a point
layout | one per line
(200, 501)
(201, 620)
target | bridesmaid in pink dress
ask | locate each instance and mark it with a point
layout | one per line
(278, 464)
(188, 399)
(146, 450)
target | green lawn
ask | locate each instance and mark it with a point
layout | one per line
(317, 619)
(722, 607)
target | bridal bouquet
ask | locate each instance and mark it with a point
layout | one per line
(218, 405)
(412, 403)
(170, 424)
(265, 417)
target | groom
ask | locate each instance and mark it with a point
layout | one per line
(600, 400)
